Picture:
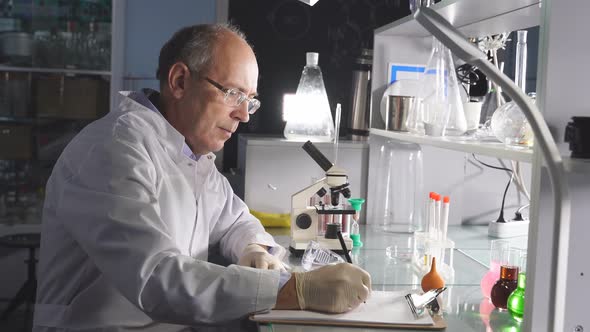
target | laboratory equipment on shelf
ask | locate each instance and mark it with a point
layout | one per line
(308, 115)
(509, 124)
(498, 252)
(316, 211)
(508, 279)
(432, 280)
(355, 235)
(439, 108)
(361, 96)
(451, 37)
(516, 299)
(397, 205)
(433, 244)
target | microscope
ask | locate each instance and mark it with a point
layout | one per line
(317, 212)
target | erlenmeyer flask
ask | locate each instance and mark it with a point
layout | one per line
(440, 105)
(311, 119)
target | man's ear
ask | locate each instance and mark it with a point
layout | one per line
(177, 79)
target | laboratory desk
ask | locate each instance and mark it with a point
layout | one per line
(464, 307)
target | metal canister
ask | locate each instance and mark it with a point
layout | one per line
(361, 96)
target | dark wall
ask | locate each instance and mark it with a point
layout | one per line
(282, 31)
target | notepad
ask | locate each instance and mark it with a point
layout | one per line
(382, 308)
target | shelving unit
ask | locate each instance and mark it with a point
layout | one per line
(474, 18)
(65, 71)
(491, 149)
(560, 82)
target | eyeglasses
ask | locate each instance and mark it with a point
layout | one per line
(235, 97)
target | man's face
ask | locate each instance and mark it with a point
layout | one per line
(210, 119)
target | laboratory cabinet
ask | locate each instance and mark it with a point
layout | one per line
(271, 169)
(560, 83)
(62, 64)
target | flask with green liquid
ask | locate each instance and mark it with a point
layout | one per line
(516, 299)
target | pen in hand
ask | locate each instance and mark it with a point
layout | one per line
(343, 245)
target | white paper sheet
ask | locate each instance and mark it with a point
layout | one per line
(381, 307)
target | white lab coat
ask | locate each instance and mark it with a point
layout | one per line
(127, 224)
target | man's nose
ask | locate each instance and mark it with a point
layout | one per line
(241, 112)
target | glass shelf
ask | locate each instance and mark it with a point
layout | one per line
(55, 70)
(492, 149)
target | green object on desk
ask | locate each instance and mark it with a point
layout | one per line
(356, 204)
(516, 299)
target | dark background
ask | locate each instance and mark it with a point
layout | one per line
(282, 31)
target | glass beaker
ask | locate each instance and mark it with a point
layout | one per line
(310, 118)
(508, 279)
(439, 106)
(498, 257)
(397, 199)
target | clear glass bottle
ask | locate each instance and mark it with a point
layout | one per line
(311, 118)
(509, 123)
(439, 109)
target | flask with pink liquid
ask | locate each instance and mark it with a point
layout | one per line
(498, 256)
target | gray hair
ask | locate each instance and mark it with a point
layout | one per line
(194, 47)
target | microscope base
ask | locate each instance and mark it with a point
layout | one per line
(298, 247)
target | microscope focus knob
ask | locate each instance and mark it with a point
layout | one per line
(303, 221)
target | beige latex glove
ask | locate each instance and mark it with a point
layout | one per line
(256, 256)
(334, 288)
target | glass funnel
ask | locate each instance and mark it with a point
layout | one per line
(439, 110)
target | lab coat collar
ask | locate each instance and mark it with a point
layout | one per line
(173, 140)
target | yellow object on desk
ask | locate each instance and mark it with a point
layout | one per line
(272, 219)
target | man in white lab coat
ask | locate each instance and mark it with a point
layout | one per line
(135, 202)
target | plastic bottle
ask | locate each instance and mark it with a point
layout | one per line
(311, 118)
